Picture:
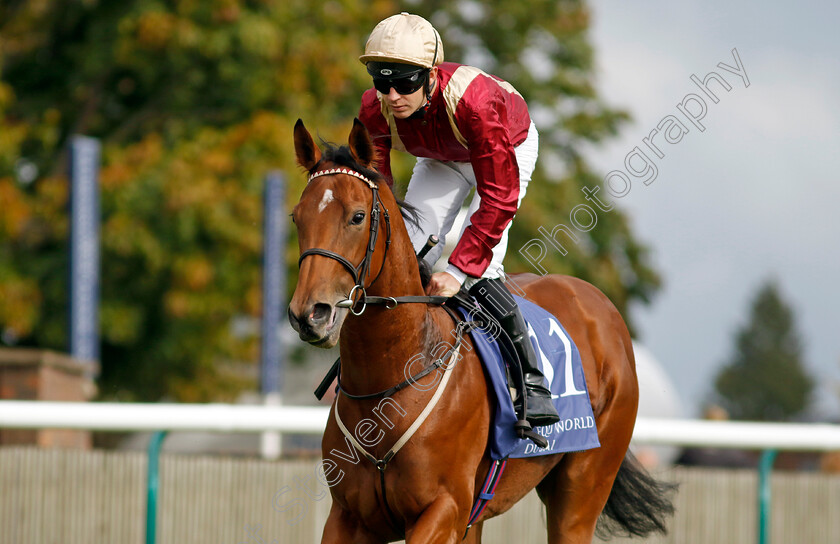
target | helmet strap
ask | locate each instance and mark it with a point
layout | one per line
(421, 111)
(427, 91)
(427, 86)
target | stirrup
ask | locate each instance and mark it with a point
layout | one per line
(524, 430)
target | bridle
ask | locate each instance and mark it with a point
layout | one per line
(358, 295)
(360, 271)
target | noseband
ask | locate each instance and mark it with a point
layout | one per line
(359, 272)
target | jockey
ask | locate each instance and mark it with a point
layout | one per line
(468, 130)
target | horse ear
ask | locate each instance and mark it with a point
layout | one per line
(307, 152)
(361, 146)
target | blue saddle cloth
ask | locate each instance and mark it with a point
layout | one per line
(560, 363)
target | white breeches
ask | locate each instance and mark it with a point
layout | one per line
(439, 189)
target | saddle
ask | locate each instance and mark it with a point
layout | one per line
(562, 367)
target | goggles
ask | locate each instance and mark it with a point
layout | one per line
(403, 85)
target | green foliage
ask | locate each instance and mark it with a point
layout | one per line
(766, 379)
(194, 102)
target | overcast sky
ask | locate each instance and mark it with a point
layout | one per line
(751, 197)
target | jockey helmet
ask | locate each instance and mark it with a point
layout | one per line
(402, 39)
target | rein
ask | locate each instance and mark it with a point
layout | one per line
(460, 328)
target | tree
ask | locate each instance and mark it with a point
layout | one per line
(766, 379)
(194, 102)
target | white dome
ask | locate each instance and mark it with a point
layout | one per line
(657, 394)
(658, 398)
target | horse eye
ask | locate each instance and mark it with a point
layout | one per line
(358, 217)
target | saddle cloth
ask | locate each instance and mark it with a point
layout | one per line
(561, 365)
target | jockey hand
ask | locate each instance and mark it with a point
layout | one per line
(443, 284)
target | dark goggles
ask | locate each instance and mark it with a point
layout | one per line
(403, 85)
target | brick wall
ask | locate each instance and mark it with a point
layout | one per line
(31, 374)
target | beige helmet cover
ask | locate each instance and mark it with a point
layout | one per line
(404, 38)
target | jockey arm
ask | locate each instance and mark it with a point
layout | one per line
(497, 182)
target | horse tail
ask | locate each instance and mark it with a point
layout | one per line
(638, 504)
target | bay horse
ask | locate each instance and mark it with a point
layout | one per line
(378, 314)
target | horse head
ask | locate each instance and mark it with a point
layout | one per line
(344, 232)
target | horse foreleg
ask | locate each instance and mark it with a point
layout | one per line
(342, 528)
(438, 524)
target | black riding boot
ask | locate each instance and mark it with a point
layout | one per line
(495, 298)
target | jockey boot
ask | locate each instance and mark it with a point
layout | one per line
(495, 298)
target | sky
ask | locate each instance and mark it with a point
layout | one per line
(751, 197)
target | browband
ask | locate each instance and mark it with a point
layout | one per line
(333, 171)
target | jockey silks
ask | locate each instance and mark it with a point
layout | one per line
(474, 118)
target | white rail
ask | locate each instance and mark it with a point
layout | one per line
(102, 416)
(312, 420)
(738, 434)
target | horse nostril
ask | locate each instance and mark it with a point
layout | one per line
(320, 313)
(293, 320)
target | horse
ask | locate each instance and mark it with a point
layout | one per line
(378, 314)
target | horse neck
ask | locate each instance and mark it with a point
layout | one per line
(376, 345)
(381, 348)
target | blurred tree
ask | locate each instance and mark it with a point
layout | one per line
(194, 102)
(766, 379)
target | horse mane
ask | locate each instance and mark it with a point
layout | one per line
(341, 156)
